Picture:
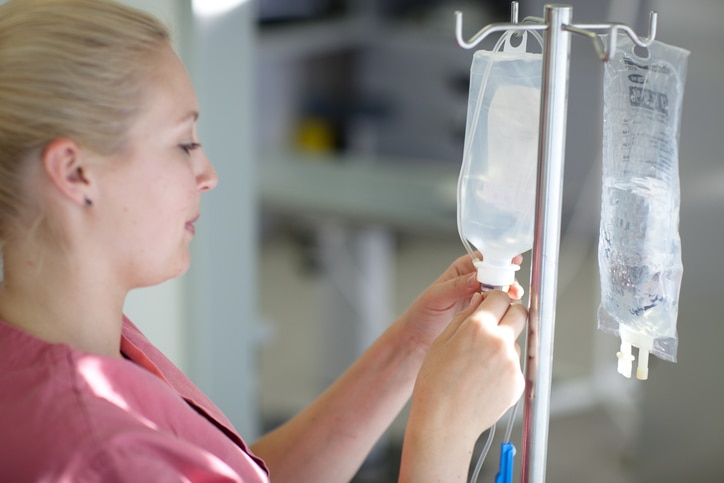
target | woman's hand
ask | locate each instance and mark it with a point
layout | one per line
(444, 298)
(470, 377)
(331, 437)
(472, 370)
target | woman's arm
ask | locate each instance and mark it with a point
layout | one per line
(330, 439)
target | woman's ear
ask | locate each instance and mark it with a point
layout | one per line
(65, 163)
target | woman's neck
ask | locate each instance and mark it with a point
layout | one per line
(62, 300)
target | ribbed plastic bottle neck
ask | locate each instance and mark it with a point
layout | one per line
(496, 274)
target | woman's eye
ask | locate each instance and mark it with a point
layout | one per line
(188, 147)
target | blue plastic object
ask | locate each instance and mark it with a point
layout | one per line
(507, 456)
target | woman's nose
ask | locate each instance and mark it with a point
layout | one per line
(207, 178)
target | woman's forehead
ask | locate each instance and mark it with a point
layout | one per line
(170, 100)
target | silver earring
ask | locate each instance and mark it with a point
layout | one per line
(87, 201)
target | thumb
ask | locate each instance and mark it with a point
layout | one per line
(443, 295)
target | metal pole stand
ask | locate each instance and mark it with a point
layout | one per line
(557, 28)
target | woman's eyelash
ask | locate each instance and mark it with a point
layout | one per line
(188, 147)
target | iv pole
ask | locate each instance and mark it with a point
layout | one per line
(557, 28)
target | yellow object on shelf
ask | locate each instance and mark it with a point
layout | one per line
(314, 135)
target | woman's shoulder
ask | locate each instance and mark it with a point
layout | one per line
(65, 410)
(52, 402)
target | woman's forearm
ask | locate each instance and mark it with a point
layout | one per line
(469, 377)
(432, 453)
(329, 440)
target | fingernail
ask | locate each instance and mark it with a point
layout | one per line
(472, 281)
(476, 298)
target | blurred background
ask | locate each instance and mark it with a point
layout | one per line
(337, 129)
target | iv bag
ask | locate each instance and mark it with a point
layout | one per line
(497, 183)
(639, 251)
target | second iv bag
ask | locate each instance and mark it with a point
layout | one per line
(639, 250)
(497, 183)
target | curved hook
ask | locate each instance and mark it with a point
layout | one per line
(653, 16)
(488, 29)
(606, 54)
(587, 30)
(645, 42)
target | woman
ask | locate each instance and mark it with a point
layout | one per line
(101, 174)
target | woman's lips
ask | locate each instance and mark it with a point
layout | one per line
(190, 225)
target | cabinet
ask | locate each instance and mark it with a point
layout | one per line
(382, 86)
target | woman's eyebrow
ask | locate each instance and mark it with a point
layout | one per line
(187, 120)
(194, 115)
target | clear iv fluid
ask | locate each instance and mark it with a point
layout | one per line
(639, 261)
(498, 220)
(497, 183)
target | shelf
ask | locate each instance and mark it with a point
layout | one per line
(404, 195)
(312, 38)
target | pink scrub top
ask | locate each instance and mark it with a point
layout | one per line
(69, 416)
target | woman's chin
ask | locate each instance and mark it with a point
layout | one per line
(176, 271)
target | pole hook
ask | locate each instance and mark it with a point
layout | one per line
(606, 53)
(492, 28)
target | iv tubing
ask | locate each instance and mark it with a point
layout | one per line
(467, 148)
(489, 441)
(483, 454)
(511, 420)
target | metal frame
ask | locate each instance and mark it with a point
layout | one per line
(557, 29)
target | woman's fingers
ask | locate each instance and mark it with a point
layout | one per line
(461, 266)
(494, 306)
(444, 294)
(464, 266)
(494, 310)
(514, 319)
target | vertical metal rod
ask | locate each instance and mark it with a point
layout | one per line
(544, 261)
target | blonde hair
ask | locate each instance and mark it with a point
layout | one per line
(68, 68)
